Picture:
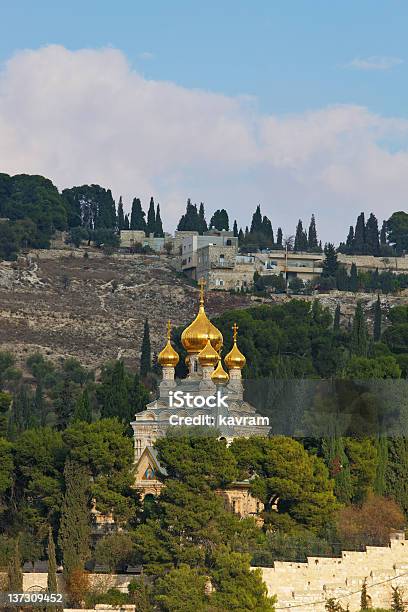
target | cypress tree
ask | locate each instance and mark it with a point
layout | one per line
(267, 231)
(121, 216)
(220, 220)
(40, 406)
(383, 234)
(359, 335)
(342, 279)
(241, 236)
(202, 223)
(350, 240)
(312, 242)
(364, 602)
(14, 571)
(151, 219)
(371, 236)
(279, 238)
(146, 351)
(396, 483)
(126, 225)
(83, 411)
(336, 318)
(75, 527)
(158, 224)
(190, 221)
(359, 243)
(137, 216)
(336, 459)
(330, 263)
(139, 395)
(300, 238)
(52, 584)
(353, 280)
(381, 470)
(113, 393)
(377, 320)
(235, 229)
(256, 224)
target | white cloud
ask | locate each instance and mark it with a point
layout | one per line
(86, 117)
(375, 62)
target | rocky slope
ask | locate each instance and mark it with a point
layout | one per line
(93, 308)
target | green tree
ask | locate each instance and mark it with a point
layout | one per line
(151, 218)
(146, 351)
(137, 216)
(359, 341)
(330, 263)
(75, 529)
(14, 571)
(83, 410)
(235, 229)
(301, 243)
(312, 242)
(121, 215)
(182, 589)
(279, 238)
(114, 551)
(336, 319)
(158, 226)
(190, 221)
(377, 320)
(52, 584)
(353, 280)
(372, 236)
(397, 602)
(220, 220)
(397, 226)
(256, 223)
(359, 242)
(339, 466)
(202, 223)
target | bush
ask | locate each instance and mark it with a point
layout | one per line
(114, 551)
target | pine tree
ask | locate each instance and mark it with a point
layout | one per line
(359, 335)
(364, 601)
(359, 243)
(371, 236)
(235, 229)
(312, 242)
(83, 411)
(300, 238)
(113, 392)
(146, 351)
(151, 219)
(137, 216)
(336, 319)
(14, 571)
(353, 280)
(279, 238)
(52, 584)
(330, 263)
(121, 216)
(383, 234)
(202, 223)
(75, 528)
(377, 320)
(158, 224)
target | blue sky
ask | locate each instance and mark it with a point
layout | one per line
(267, 61)
(290, 54)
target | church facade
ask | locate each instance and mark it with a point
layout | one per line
(209, 395)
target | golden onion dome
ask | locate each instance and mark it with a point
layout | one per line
(194, 337)
(208, 356)
(168, 357)
(235, 360)
(219, 376)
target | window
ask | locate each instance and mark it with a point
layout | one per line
(229, 243)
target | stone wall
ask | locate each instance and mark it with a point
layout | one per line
(309, 585)
(37, 581)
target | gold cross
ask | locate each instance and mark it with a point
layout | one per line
(168, 329)
(235, 331)
(201, 284)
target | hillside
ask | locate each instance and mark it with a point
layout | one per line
(63, 304)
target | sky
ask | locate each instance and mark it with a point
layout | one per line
(299, 106)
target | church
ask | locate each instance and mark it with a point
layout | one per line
(209, 395)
